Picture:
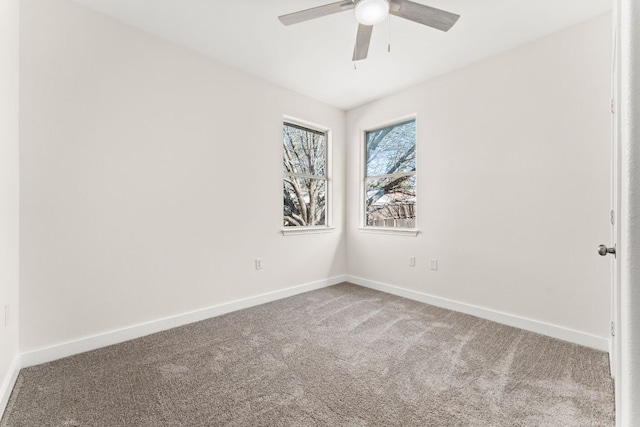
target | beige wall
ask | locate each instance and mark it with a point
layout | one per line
(9, 14)
(151, 177)
(513, 183)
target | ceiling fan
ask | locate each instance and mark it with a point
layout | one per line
(371, 12)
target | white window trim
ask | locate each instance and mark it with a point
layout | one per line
(315, 229)
(296, 231)
(411, 232)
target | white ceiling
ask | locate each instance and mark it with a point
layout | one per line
(314, 57)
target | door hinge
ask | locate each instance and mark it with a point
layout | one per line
(613, 106)
(613, 329)
(612, 217)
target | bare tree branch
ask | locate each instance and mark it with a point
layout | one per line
(304, 198)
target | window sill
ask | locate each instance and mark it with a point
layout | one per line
(295, 231)
(411, 232)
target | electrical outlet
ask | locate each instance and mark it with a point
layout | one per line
(434, 264)
(412, 261)
(258, 263)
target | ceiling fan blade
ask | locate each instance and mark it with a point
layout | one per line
(316, 12)
(361, 49)
(426, 15)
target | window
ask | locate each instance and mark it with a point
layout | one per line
(390, 176)
(305, 176)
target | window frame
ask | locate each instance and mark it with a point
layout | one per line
(399, 231)
(311, 229)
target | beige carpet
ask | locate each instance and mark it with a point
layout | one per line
(340, 356)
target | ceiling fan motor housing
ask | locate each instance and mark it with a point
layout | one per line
(371, 12)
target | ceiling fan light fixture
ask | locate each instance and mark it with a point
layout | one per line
(371, 12)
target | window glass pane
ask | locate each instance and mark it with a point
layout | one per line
(392, 149)
(304, 150)
(304, 201)
(391, 202)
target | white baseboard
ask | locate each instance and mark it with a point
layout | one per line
(9, 382)
(81, 345)
(554, 331)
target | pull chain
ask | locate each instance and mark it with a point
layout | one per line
(389, 45)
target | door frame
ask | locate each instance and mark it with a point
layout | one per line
(628, 360)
